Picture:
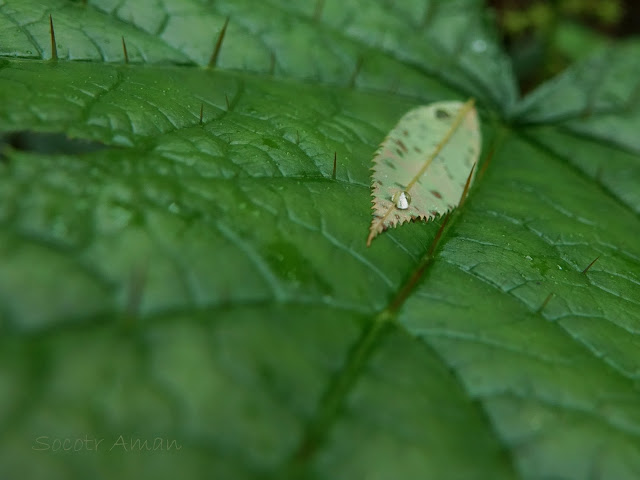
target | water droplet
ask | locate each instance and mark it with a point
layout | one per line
(528, 257)
(402, 200)
(479, 46)
(174, 208)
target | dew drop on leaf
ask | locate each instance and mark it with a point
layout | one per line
(402, 200)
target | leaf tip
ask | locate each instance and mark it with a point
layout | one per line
(372, 235)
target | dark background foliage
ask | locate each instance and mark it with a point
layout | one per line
(544, 37)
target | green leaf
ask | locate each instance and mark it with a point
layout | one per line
(206, 283)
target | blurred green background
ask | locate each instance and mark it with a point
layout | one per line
(544, 37)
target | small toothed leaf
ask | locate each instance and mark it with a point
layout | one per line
(179, 253)
(421, 168)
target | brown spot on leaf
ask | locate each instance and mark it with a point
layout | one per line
(436, 194)
(402, 145)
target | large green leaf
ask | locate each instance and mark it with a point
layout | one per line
(209, 284)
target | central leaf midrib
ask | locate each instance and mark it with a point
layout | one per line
(360, 352)
(342, 383)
